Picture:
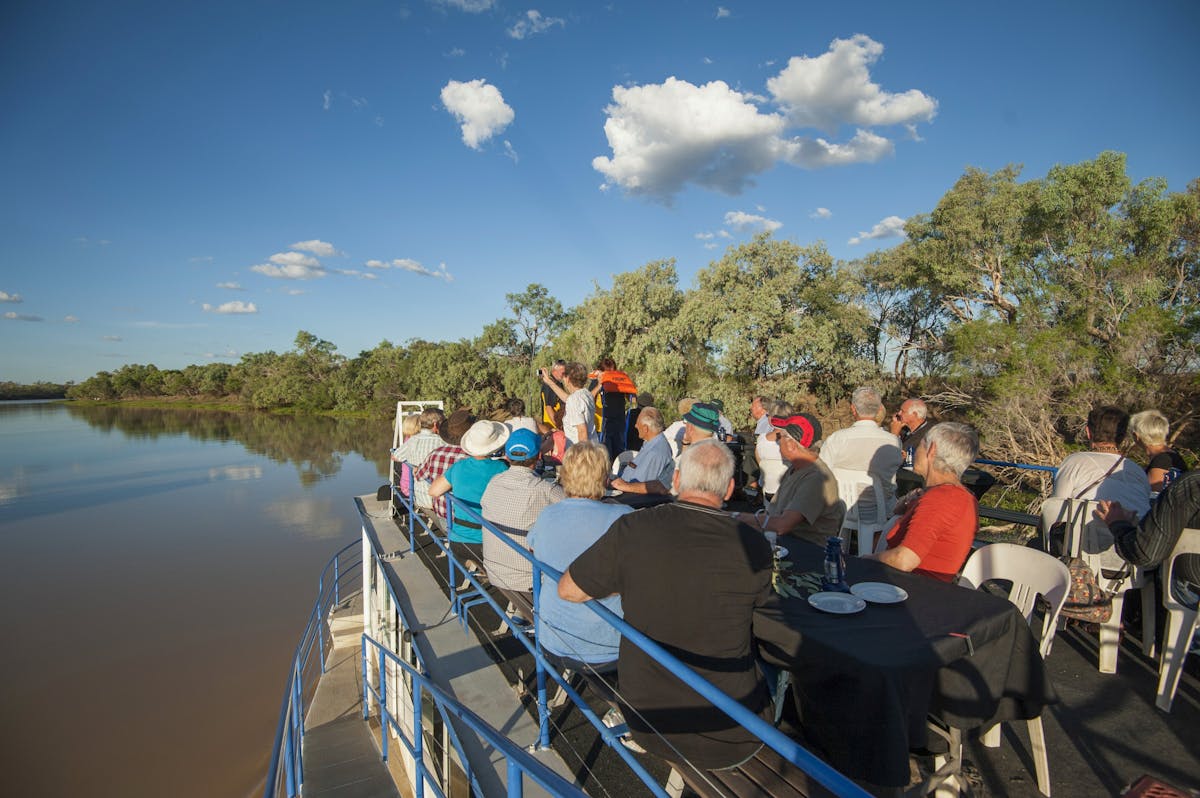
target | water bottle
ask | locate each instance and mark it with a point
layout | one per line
(1168, 478)
(909, 455)
(834, 579)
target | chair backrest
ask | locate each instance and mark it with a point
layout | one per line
(853, 487)
(1033, 573)
(623, 459)
(1188, 543)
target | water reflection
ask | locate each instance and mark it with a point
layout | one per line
(314, 445)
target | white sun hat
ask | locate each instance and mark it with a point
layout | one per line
(484, 438)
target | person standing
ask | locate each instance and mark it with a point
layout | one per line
(579, 408)
(613, 388)
(865, 446)
(552, 403)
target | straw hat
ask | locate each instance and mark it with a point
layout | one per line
(484, 438)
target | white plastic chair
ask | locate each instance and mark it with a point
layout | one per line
(853, 486)
(1181, 624)
(622, 460)
(1091, 541)
(1032, 573)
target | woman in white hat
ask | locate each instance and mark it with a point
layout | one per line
(468, 478)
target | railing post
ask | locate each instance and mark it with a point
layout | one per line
(516, 784)
(543, 711)
(337, 592)
(418, 739)
(451, 576)
(288, 756)
(411, 506)
(383, 710)
(365, 683)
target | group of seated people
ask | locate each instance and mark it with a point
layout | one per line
(689, 573)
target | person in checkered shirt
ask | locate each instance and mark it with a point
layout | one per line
(443, 457)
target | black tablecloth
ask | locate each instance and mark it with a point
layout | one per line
(639, 500)
(864, 683)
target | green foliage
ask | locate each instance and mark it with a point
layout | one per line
(1015, 304)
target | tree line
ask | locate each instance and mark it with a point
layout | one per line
(1015, 305)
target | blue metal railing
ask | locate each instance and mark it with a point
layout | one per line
(403, 623)
(1025, 466)
(520, 763)
(289, 733)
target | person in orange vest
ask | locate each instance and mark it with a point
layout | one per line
(613, 390)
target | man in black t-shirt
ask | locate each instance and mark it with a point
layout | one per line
(689, 577)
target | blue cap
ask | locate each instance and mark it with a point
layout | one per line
(523, 444)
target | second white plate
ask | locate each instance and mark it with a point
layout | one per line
(837, 603)
(879, 592)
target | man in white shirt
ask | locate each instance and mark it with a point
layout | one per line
(865, 446)
(579, 417)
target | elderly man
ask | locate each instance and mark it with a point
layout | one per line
(938, 523)
(690, 577)
(807, 504)
(865, 446)
(414, 451)
(552, 404)
(910, 423)
(441, 458)
(651, 469)
(512, 501)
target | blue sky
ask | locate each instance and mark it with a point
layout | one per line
(187, 182)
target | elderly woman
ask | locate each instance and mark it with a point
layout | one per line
(572, 633)
(937, 523)
(1150, 427)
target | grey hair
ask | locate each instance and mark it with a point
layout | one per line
(777, 407)
(651, 417)
(706, 467)
(917, 406)
(866, 402)
(1150, 426)
(957, 446)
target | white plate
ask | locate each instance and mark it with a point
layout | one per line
(837, 603)
(780, 552)
(879, 592)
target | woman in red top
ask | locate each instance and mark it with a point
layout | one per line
(937, 524)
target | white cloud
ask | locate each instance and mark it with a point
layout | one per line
(231, 308)
(705, 236)
(470, 6)
(835, 89)
(479, 108)
(723, 12)
(821, 213)
(228, 354)
(707, 61)
(7, 297)
(357, 273)
(230, 286)
(295, 292)
(741, 221)
(290, 266)
(71, 319)
(510, 153)
(416, 268)
(665, 136)
(378, 264)
(533, 24)
(322, 249)
(456, 52)
(22, 317)
(111, 338)
(326, 99)
(891, 227)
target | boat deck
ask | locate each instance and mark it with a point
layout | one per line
(1103, 735)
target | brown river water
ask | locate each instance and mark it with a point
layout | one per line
(159, 567)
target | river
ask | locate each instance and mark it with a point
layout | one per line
(159, 566)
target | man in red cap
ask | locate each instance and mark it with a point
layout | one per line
(806, 505)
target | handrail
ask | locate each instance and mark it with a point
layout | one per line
(520, 762)
(1024, 466)
(285, 752)
(789, 749)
